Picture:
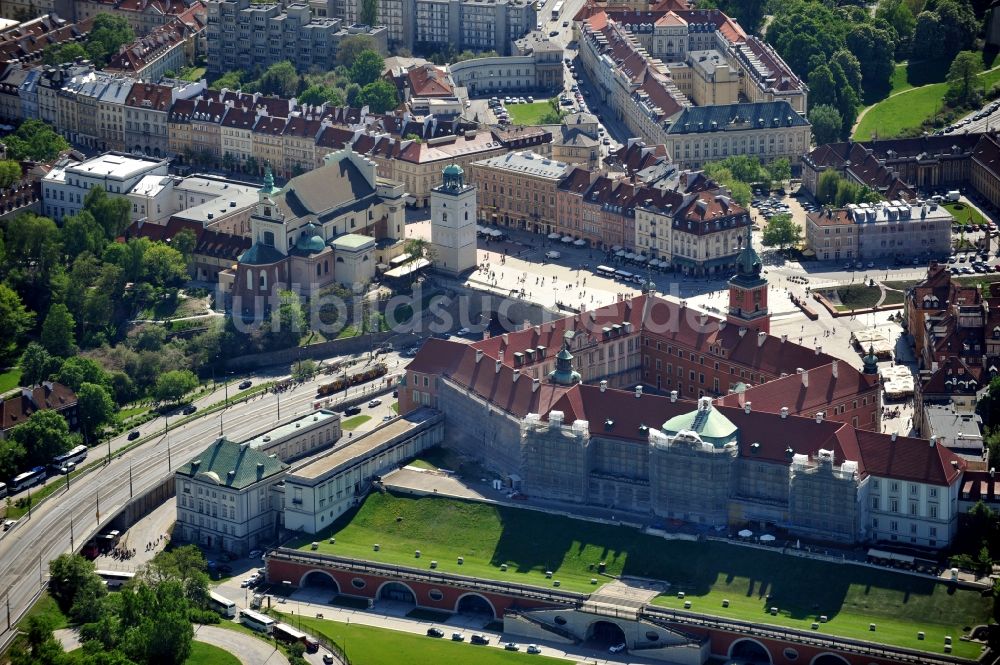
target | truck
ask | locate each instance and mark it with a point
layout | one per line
(952, 195)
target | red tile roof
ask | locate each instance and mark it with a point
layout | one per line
(150, 96)
(823, 390)
(50, 395)
(910, 459)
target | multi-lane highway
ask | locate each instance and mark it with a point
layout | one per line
(75, 514)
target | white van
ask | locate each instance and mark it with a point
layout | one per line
(953, 195)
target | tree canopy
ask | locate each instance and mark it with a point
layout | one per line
(826, 123)
(367, 67)
(379, 97)
(174, 385)
(15, 321)
(780, 231)
(35, 140)
(43, 435)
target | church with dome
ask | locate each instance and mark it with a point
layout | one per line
(335, 224)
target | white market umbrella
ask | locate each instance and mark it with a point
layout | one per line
(767, 538)
(640, 259)
(579, 242)
(567, 239)
(615, 248)
(554, 236)
(745, 533)
(620, 252)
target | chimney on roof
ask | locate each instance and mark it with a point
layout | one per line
(761, 338)
(517, 374)
(932, 441)
(604, 385)
(805, 377)
(535, 384)
(819, 416)
(499, 364)
(504, 339)
(638, 392)
(722, 324)
(743, 331)
(819, 350)
(784, 412)
(500, 355)
(834, 367)
(746, 407)
(673, 395)
(784, 338)
(479, 355)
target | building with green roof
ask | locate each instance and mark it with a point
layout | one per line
(229, 498)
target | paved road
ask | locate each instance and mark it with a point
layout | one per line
(77, 513)
(249, 650)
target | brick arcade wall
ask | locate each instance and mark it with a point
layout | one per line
(431, 596)
(783, 652)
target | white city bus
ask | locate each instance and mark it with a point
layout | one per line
(557, 10)
(28, 479)
(114, 579)
(222, 605)
(257, 621)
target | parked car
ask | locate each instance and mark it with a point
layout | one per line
(352, 410)
(511, 646)
(435, 632)
(133, 435)
(457, 637)
(373, 403)
(245, 384)
(616, 648)
(328, 659)
(9, 524)
(553, 33)
(189, 409)
(533, 648)
(479, 638)
(463, 331)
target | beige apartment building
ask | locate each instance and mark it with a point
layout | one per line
(268, 142)
(518, 190)
(299, 145)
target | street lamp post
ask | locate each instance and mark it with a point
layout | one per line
(130, 477)
(72, 540)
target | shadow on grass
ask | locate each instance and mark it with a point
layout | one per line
(529, 541)
(922, 72)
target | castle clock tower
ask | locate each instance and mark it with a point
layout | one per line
(748, 291)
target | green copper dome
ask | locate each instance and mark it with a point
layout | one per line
(310, 240)
(706, 422)
(564, 374)
(748, 262)
(453, 169)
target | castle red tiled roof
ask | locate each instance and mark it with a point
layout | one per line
(823, 389)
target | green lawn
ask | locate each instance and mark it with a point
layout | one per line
(208, 654)
(10, 379)
(395, 408)
(862, 296)
(355, 422)
(47, 606)
(193, 74)
(891, 116)
(530, 114)
(964, 214)
(366, 645)
(900, 80)
(488, 536)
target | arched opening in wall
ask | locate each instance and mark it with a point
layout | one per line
(829, 659)
(473, 603)
(750, 652)
(397, 592)
(320, 579)
(604, 634)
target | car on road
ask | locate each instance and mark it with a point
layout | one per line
(328, 659)
(553, 33)
(551, 254)
(871, 264)
(245, 384)
(533, 648)
(435, 632)
(189, 409)
(373, 403)
(479, 638)
(565, 24)
(133, 435)
(606, 141)
(255, 554)
(616, 648)
(511, 646)
(458, 637)
(9, 524)
(352, 410)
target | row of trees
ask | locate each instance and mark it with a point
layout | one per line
(34, 140)
(108, 34)
(835, 190)
(356, 81)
